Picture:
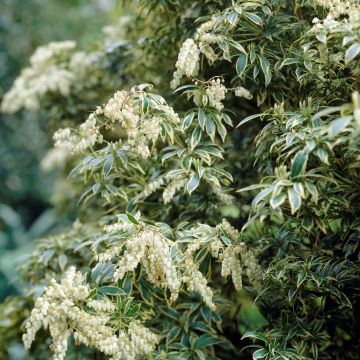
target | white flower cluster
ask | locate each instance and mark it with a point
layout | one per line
(119, 226)
(216, 92)
(205, 38)
(117, 32)
(55, 158)
(120, 108)
(230, 230)
(80, 63)
(125, 108)
(338, 8)
(71, 143)
(187, 63)
(243, 93)
(175, 184)
(234, 257)
(151, 188)
(231, 265)
(137, 341)
(196, 281)
(151, 249)
(61, 309)
(64, 140)
(45, 54)
(189, 54)
(323, 27)
(192, 276)
(89, 134)
(222, 196)
(46, 74)
(230, 258)
(101, 305)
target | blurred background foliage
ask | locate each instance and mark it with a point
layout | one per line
(25, 202)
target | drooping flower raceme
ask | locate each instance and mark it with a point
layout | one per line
(235, 257)
(187, 63)
(146, 246)
(63, 309)
(339, 8)
(53, 68)
(243, 93)
(189, 54)
(143, 245)
(216, 93)
(141, 123)
(71, 142)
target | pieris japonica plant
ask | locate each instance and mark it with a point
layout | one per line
(214, 151)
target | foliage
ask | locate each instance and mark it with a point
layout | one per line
(25, 193)
(159, 267)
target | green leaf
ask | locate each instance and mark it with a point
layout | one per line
(92, 293)
(132, 218)
(262, 195)
(345, 300)
(111, 290)
(145, 105)
(321, 38)
(108, 165)
(195, 137)
(253, 187)
(339, 125)
(207, 340)
(173, 334)
(249, 118)
(232, 18)
(253, 335)
(254, 18)
(326, 111)
(289, 61)
(188, 120)
(227, 119)
(352, 52)
(167, 129)
(260, 354)
(294, 200)
(172, 313)
(47, 255)
(323, 155)
(307, 223)
(299, 163)
(62, 261)
(301, 278)
(193, 183)
(241, 64)
(169, 155)
(200, 355)
(210, 129)
(265, 67)
(222, 131)
(237, 46)
(299, 188)
(201, 118)
(201, 326)
(123, 157)
(256, 71)
(226, 50)
(313, 191)
(277, 201)
(95, 188)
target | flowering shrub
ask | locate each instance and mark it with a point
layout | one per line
(174, 223)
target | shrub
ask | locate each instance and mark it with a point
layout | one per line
(176, 229)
